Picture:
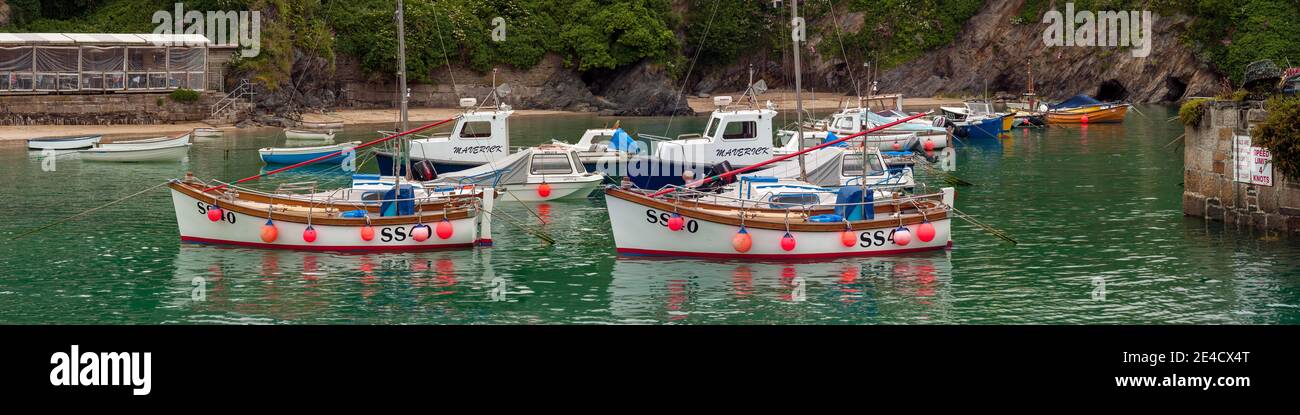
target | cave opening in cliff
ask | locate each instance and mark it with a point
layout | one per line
(1177, 88)
(1112, 90)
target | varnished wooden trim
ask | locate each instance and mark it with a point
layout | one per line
(688, 209)
(195, 191)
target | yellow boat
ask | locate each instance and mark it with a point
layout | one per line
(1105, 113)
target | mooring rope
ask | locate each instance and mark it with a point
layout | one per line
(92, 210)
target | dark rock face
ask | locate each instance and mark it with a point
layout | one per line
(644, 89)
(565, 91)
(311, 86)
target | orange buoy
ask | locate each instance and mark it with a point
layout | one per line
(269, 232)
(309, 235)
(848, 238)
(929, 145)
(444, 229)
(420, 233)
(742, 241)
(544, 190)
(1084, 119)
(787, 242)
(367, 233)
(902, 236)
(925, 232)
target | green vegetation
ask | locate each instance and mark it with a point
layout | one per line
(1280, 134)
(185, 96)
(1193, 111)
(895, 31)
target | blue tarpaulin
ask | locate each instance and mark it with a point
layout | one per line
(1076, 102)
(623, 142)
(831, 137)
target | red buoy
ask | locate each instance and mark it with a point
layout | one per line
(925, 232)
(848, 238)
(929, 145)
(1084, 119)
(544, 191)
(215, 214)
(309, 235)
(787, 242)
(269, 232)
(742, 241)
(444, 229)
(897, 146)
(676, 223)
(420, 233)
(902, 236)
(367, 233)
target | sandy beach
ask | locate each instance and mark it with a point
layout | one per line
(784, 100)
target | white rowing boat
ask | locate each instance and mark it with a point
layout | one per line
(63, 143)
(208, 132)
(175, 152)
(157, 142)
(295, 134)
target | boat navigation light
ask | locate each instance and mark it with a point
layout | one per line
(468, 102)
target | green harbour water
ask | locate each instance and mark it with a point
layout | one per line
(1090, 206)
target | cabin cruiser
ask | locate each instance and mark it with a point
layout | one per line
(739, 137)
(543, 173)
(978, 120)
(604, 150)
(480, 136)
(915, 134)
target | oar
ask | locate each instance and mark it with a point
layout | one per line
(1175, 141)
(992, 231)
(327, 156)
(723, 176)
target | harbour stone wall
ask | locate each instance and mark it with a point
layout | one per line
(1210, 189)
(106, 109)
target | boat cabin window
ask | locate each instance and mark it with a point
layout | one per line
(712, 130)
(476, 129)
(788, 200)
(852, 165)
(742, 130)
(844, 123)
(552, 164)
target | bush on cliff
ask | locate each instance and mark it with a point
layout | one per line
(1280, 134)
(185, 96)
(1193, 111)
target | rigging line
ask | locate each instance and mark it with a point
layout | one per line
(687, 78)
(438, 28)
(839, 36)
(95, 209)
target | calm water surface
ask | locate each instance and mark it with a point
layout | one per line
(1089, 206)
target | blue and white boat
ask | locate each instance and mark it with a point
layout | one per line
(295, 155)
(480, 136)
(734, 138)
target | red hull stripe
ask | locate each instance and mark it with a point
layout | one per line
(195, 239)
(653, 252)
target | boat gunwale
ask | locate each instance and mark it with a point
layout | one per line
(688, 209)
(432, 216)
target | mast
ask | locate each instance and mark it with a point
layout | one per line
(796, 33)
(401, 83)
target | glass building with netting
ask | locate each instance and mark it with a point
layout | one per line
(57, 63)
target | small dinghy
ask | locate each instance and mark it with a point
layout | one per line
(63, 143)
(133, 153)
(208, 132)
(294, 155)
(296, 134)
(321, 125)
(148, 143)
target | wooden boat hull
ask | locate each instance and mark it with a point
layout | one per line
(65, 143)
(137, 155)
(1089, 115)
(242, 226)
(640, 228)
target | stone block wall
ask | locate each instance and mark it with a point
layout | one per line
(1210, 189)
(102, 109)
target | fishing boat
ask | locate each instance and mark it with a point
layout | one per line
(208, 132)
(480, 136)
(737, 136)
(64, 143)
(538, 174)
(149, 143)
(842, 166)
(978, 120)
(292, 155)
(391, 219)
(1083, 109)
(300, 134)
(920, 135)
(136, 153)
(604, 150)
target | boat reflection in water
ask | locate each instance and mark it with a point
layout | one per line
(852, 290)
(242, 285)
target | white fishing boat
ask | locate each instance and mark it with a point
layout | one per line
(920, 135)
(538, 174)
(134, 153)
(736, 136)
(300, 134)
(208, 132)
(605, 150)
(148, 143)
(63, 143)
(480, 136)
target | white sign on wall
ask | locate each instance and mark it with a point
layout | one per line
(1253, 164)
